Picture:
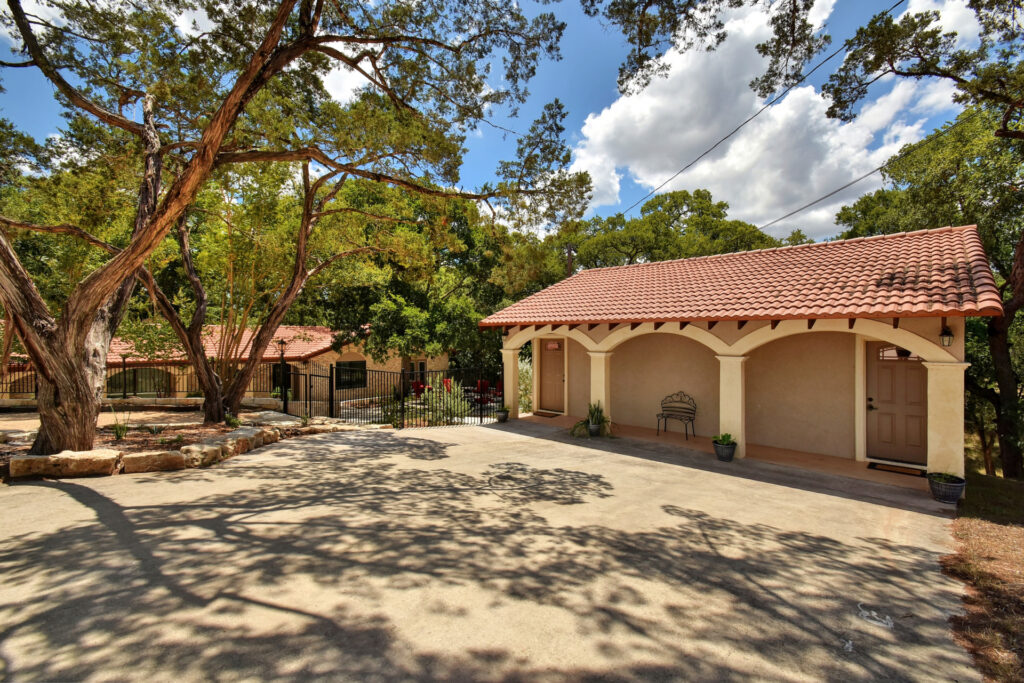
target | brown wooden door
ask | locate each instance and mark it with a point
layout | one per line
(552, 375)
(897, 405)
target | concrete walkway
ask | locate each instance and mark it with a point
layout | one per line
(472, 553)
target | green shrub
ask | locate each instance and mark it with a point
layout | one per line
(595, 416)
(723, 439)
(525, 386)
(444, 407)
(232, 421)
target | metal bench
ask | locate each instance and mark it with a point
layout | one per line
(679, 406)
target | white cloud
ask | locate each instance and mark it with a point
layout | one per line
(193, 22)
(342, 83)
(954, 15)
(792, 153)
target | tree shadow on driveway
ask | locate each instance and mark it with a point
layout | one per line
(360, 563)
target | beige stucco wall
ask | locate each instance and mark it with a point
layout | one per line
(646, 369)
(800, 394)
(578, 378)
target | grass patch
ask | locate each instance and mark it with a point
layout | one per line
(989, 531)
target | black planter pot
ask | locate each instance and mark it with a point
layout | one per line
(502, 415)
(594, 430)
(725, 452)
(946, 491)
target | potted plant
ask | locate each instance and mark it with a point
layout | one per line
(596, 420)
(725, 447)
(946, 488)
(596, 423)
(502, 414)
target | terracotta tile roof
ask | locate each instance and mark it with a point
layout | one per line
(303, 342)
(924, 273)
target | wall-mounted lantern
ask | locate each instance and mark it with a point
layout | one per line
(946, 335)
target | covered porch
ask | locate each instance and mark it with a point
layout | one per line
(822, 464)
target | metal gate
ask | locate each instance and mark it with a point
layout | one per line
(405, 398)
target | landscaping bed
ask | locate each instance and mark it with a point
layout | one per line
(989, 532)
(137, 440)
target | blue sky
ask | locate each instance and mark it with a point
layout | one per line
(791, 154)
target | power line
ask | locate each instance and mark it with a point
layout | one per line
(924, 143)
(735, 130)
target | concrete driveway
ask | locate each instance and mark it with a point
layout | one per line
(473, 553)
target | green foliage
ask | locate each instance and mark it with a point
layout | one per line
(525, 386)
(723, 439)
(232, 421)
(444, 407)
(119, 428)
(595, 416)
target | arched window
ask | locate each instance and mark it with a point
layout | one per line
(896, 353)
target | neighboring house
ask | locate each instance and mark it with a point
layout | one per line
(307, 350)
(853, 349)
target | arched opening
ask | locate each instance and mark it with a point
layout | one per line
(647, 368)
(800, 394)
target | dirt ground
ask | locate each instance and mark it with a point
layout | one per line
(990, 559)
(29, 421)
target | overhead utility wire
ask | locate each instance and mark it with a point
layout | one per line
(906, 153)
(752, 117)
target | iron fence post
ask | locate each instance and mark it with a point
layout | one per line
(330, 390)
(124, 377)
(401, 402)
(309, 391)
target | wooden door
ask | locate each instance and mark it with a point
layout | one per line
(552, 375)
(897, 386)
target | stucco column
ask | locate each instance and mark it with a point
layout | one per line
(601, 380)
(510, 362)
(732, 401)
(860, 401)
(946, 417)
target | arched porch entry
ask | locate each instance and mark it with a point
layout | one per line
(793, 384)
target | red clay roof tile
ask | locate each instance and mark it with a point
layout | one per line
(302, 342)
(942, 272)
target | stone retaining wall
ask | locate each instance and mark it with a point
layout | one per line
(107, 461)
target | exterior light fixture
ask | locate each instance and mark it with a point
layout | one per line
(281, 343)
(946, 335)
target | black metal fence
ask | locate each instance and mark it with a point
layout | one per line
(405, 398)
(153, 380)
(19, 382)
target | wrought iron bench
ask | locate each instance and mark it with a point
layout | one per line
(679, 406)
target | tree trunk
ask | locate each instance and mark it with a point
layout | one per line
(1008, 410)
(239, 384)
(68, 406)
(63, 426)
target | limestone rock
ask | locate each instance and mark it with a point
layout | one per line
(153, 461)
(202, 454)
(102, 461)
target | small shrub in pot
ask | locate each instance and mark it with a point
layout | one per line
(946, 488)
(725, 447)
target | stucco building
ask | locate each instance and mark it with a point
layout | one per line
(852, 349)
